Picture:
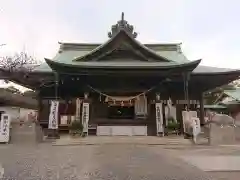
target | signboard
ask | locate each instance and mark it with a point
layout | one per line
(5, 128)
(159, 118)
(53, 116)
(85, 116)
(196, 128)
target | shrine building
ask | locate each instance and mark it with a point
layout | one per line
(125, 84)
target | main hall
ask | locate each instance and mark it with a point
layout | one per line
(121, 86)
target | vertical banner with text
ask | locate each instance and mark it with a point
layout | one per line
(53, 116)
(5, 128)
(78, 108)
(85, 116)
(159, 118)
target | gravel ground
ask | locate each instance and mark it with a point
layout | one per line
(113, 162)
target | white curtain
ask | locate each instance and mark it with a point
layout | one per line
(141, 106)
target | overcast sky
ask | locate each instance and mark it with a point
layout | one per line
(208, 29)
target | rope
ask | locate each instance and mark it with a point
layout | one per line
(130, 98)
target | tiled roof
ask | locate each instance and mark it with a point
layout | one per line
(235, 94)
(70, 51)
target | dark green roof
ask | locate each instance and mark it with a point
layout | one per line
(121, 35)
(70, 51)
(233, 102)
(156, 68)
(235, 93)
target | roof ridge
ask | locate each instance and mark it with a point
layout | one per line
(132, 39)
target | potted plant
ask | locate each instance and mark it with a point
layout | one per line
(173, 125)
(76, 128)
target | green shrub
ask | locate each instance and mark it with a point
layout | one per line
(172, 124)
(76, 127)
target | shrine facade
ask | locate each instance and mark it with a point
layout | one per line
(121, 86)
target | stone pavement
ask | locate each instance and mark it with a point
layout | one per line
(215, 163)
(221, 162)
(140, 140)
(96, 162)
(1, 171)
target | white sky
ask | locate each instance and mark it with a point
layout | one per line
(208, 29)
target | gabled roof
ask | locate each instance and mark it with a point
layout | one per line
(70, 51)
(122, 40)
(122, 36)
(121, 51)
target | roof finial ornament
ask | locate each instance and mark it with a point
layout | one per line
(122, 25)
(122, 16)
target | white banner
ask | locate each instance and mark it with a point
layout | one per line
(85, 116)
(196, 126)
(78, 108)
(159, 118)
(5, 128)
(53, 116)
(187, 115)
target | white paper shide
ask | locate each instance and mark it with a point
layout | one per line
(53, 116)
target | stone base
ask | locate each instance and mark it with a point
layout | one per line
(160, 134)
(221, 135)
(53, 134)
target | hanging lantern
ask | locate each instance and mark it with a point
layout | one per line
(122, 104)
(114, 101)
(130, 102)
(100, 99)
(85, 95)
(158, 97)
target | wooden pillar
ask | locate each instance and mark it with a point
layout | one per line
(54, 133)
(164, 115)
(186, 77)
(39, 107)
(202, 121)
(179, 109)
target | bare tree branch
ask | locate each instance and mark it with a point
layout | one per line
(19, 62)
